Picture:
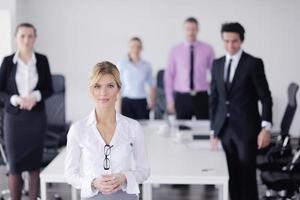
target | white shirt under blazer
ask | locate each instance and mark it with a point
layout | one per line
(26, 78)
(85, 148)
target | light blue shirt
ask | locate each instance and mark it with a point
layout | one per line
(135, 78)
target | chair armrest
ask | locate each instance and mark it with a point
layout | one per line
(290, 166)
(275, 133)
(1, 140)
(52, 135)
(52, 140)
(279, 149)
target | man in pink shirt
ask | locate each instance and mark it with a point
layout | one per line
(185, 77)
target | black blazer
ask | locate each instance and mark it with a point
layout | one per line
(8, 86)
(248, 86)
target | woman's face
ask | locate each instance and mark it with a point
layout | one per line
(105, 92)
(135, 48)
(25, 39)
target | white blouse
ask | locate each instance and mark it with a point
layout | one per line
(26, 79)
(85, 154)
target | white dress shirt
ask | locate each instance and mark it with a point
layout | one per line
(26, 79)
(234, 63)
(85, 154)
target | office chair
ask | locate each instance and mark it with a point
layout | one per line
(56, 114)
(160, 104)
(56, 136)
(3, 159)
(286, 181)
(280, 150)
(276, 156)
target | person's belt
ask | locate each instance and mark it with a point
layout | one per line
(192, 93)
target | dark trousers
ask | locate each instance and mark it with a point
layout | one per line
(135, 108)
(187, 105)
(241, 162)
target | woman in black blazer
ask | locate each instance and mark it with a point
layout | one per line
(25, 82)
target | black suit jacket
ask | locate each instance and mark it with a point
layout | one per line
(8, 86)
(248, 86)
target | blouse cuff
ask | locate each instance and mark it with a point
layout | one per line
(37, 95)
(87, 189)
(132, 187)
(14, 100)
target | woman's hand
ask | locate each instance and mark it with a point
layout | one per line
(109, 184)
(22, 103)
(27, 103)
(151, 105)
(152, 97)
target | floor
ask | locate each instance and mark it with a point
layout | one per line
(162, 192)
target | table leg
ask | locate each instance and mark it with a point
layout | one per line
(220, 191)
(223, 191)
(147, 191)
(74, 194)
(43, 190)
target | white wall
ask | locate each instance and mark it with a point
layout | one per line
(7, 22)
(75, 34)
(5, 33)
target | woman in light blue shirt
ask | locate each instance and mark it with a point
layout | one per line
(136, 75)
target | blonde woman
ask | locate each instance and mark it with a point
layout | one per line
(110, 146)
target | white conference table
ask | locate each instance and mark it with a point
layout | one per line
(172, 161)
(54, 173)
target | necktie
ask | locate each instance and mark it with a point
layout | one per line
(227, 81)
(192, 67)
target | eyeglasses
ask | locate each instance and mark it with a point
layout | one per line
(106, 161)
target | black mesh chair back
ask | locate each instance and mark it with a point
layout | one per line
(56, 135)
(55, 104)
(1, 118)
(290, 109)
(160, 103)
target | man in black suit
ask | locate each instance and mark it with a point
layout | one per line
(238, 83)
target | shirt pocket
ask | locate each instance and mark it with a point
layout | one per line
(122, 152)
